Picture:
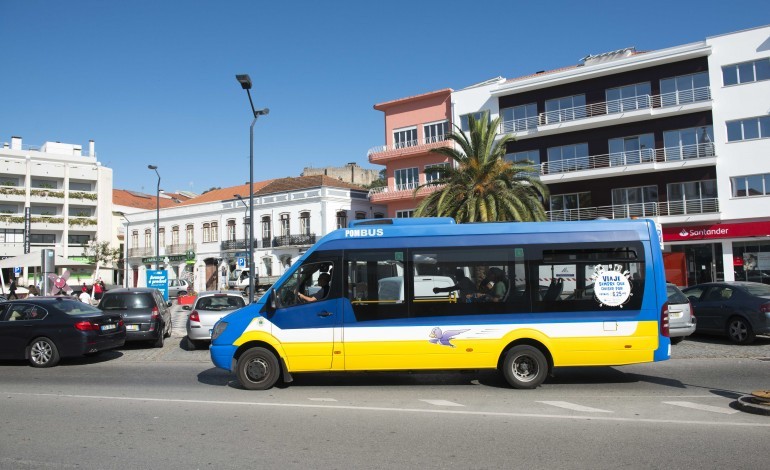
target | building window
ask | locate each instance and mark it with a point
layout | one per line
(214, 236)
(11, 236)
(407, 178)
(405, 137)
(519, 118)
(748, 129)
(379, 215)
(684, 89)
(206, 231)
(47, 238)
(175, 235)
(529, 157)
(746, 72)
(434, 175)
(465, 121)
(266, 228)
(568, 206)
(632, 150)
(78, 239)
(161, 237)
(628, 98)
(405, 214)
(435, 132)
(342, 219)
(304, 223)
(360, 215)
(695, 142)
(568, 108)
(694, 197)
(135, 238)
(634, 202)
(568, 158)
(148, 238)
(751, 185)
(285, 226)
(231, 230)
(189, 236)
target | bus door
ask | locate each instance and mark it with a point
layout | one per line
(307, 316)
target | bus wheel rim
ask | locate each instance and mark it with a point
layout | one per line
(257, 370)
(525, 368)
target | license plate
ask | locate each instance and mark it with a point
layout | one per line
(675, 314)
(132, 327)
(108, 327)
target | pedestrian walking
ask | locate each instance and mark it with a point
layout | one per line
(98, 291)
(12, 289)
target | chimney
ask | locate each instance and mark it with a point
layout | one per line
(91, 148)
(15, 143)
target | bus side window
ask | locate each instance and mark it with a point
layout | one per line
(375, 282)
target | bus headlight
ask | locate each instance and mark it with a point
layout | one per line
(219, 328)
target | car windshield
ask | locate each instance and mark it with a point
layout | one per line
(675, 296)
(758, 289)
(76, 307)
(127, 302)
(224, 302)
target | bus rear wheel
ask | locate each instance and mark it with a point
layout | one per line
(258, 369)
(525, 367)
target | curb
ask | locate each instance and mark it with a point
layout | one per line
(750, 404)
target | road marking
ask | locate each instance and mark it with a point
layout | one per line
(322, 399)
(575, 407)
(442, 403)
(696, 406)
(497, 414)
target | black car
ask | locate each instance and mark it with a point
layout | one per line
(146, 314)
(740, 310)
(45, 329)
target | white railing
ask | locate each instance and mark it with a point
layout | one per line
(628, 158)
(401, 190)
(640, 210)
(623, 105)
(410, 144)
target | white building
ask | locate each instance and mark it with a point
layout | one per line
(67, 194)
(207, 235)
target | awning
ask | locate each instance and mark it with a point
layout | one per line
(34, 260)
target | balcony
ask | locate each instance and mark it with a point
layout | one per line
(179, 248)
(640, 210)
(384, 153)
(12, 220)
(402, 191)
(652, 157)
(88, 198)
(141, 252)
(13, 193)
(644, 105)
(289, 240)
(240, 244)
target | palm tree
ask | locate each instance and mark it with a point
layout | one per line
(482, 186)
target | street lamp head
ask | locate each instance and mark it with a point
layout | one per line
(238, 196)
(262, 112)
(244, 80)
(152, 167)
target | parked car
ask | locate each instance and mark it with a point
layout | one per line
(208, 308)
(177, 287)
(146, 314)
(681, 315)
(740, 310)
(42, 330)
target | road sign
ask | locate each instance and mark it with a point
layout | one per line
(241, 262)
(17, 271)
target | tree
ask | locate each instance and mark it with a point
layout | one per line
(100, 253)
(482, 186)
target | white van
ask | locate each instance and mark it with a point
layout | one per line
(392, 288)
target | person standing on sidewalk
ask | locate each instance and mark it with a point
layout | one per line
(12, 289)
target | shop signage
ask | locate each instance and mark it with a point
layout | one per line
(189, 255)
(716, 231)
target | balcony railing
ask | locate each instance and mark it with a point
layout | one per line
(141, 252)
(412, 146)
(633, 157)
(607, 107)
(240, 244)
(294, 240)
(647, 209)
(399, 192)
(179, 248)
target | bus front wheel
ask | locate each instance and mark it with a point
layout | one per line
(525, 367)
(258, 369)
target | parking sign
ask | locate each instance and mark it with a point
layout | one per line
(241, 262)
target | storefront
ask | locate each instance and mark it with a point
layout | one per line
(719, 252)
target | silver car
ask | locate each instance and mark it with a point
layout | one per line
(681, 315)
(208, 308)
(177, 287)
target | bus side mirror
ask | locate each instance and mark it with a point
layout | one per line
(273, 296)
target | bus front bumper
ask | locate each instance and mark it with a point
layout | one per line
(222, 355)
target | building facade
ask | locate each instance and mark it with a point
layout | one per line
(64, 194)
(206, 237)
(680, 135)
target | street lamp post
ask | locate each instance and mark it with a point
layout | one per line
(245, 232)
(245, 82)
(157, 218)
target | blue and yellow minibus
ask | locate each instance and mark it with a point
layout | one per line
(426, 294)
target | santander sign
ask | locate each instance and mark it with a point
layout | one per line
(716, 231)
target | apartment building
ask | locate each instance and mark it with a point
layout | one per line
(680, 135)
(61, 195)
(208, 235)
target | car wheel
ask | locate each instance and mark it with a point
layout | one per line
(525, 367)
(158, 343)
(43, 353)
(168, 330)
(677, 340)
(257, 369)
(191, 344)
(739, 331)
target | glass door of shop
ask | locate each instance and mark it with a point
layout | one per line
(703, 262)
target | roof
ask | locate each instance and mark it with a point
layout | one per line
(122, 197)
(570, 67)
(226, 194)
(431, 94)
(305, 182)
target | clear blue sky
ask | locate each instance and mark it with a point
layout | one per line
(153, 81)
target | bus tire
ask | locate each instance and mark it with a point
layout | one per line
(258, 369)
(525, 367)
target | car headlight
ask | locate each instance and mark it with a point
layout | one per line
(219, 328)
